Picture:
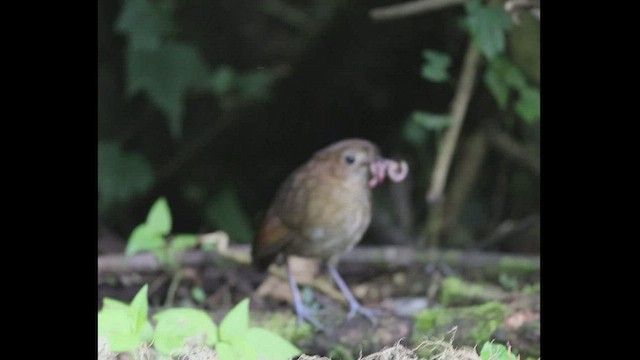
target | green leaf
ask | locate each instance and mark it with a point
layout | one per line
(528, 105)
(226, 351)
(140, 308)
(121, 175)
(146, 23)
(500, 77)
(244, 349)
(492, 351)
(235, 325)
(159, 217)
(183, 242)
(256, 85)
(436, 66)
(125, 326)
(109, 303)
(487, 25)
(223, 80)
(176, 326)
(117, 325)
(227, 213)
(497, 87)
(143, 238)
(198, 295)
(165, 74)
(270, 345)
(414, 133)
(430, 121)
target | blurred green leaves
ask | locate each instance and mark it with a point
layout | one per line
(150, 234)
(501, 77)
(420, 123)
(436, 65)
(121, 175)
(176, 326)
(165, 74)
(227, 213)
(166, 69)
(125, 326)
(488, 26)
(145, 23)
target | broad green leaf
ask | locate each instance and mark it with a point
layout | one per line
(223, 80)
(431, 121)
(271, 346)
(176, 326)
(143, 238)
(165, 75)
(228, 215)
(487, 25)
(245, 349)
(109, 303)
(256, 85)
(500, 77)
(226, 351)
(117, 325)
(436, 66)
(236, 323)
(121, 175)
(145, 22)
(492, 351)
(159, 217)
(183, 241)
(528, 104)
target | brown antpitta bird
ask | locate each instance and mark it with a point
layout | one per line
(322, 210)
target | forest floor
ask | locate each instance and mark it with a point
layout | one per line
(445, 306)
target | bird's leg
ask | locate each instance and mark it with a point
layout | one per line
(354, 305)
(303, 312)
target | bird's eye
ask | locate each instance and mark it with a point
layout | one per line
(349, 158)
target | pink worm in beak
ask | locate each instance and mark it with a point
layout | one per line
(396, 171)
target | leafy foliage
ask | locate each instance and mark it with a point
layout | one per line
(502, 77)
(436, 66)
(228, 214)
(492, 351)
(239, 341)
(125, 326)
(165, 74)
(177, 326)
(420, 123)
(145, 23)
(487, 25)
(150, 235)
(121, 175)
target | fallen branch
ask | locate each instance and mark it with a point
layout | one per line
(372, 256)
(410, 8)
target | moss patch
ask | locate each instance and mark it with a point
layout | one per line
(475, 324)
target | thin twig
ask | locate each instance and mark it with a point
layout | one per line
(410, 8)
(513, 150)
(458, 110)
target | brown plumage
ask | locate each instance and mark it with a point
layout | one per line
(324, 207)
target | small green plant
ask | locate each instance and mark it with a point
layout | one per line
(126, 328)
(493, 351)
(151, 235)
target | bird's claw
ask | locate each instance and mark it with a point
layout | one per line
(304, 313)
(371, 314)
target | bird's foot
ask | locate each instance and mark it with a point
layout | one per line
(308, 314)
(371, 314)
